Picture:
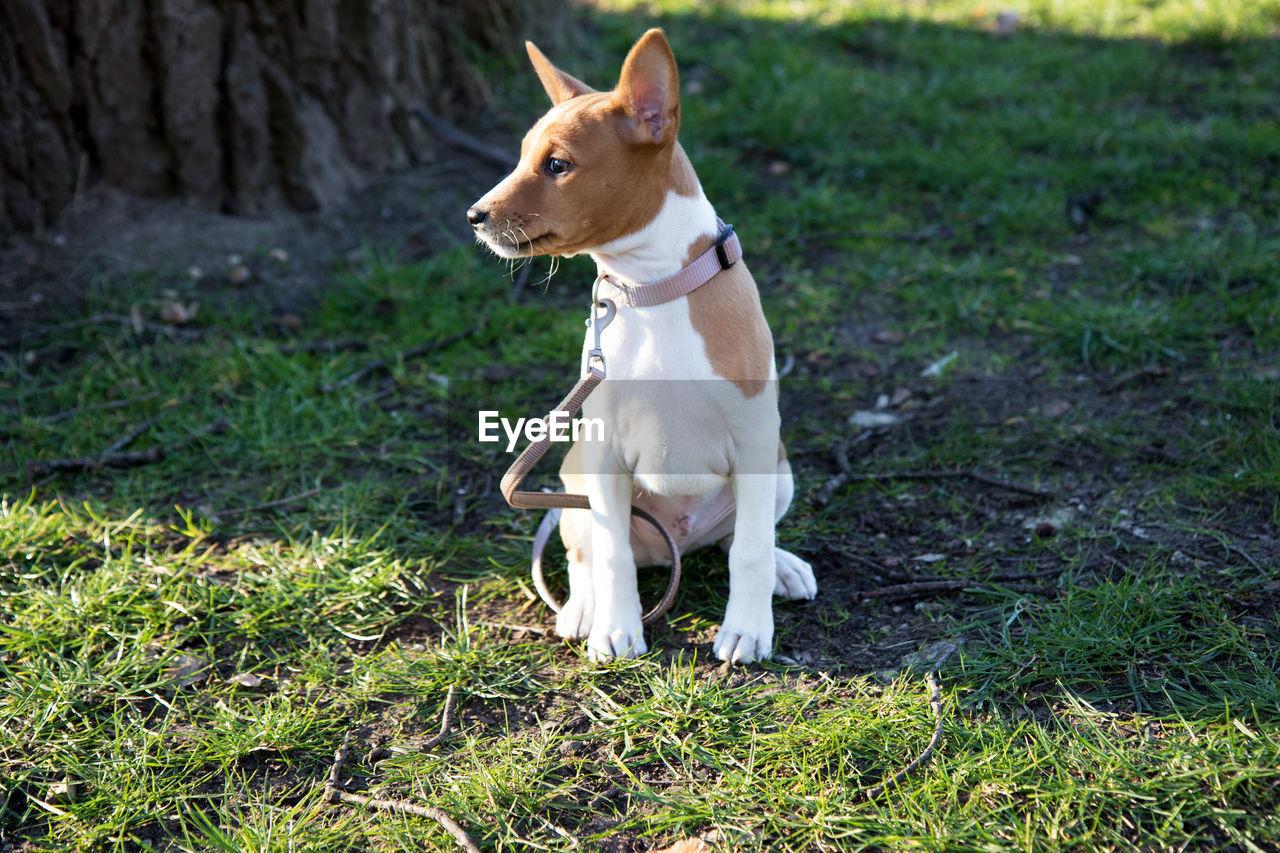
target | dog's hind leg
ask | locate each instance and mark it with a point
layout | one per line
(793, 577)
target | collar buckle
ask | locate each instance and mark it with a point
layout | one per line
(722, 255)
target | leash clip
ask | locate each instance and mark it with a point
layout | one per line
(595, 355)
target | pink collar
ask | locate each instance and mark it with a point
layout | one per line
(725, 253)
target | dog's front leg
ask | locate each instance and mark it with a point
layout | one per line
(616, 630)
(746, 634)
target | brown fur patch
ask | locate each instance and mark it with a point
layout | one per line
(726, 312)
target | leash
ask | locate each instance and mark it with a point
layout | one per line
(554, 502)
(725, 253)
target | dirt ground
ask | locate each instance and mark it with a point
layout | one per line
(108, 235)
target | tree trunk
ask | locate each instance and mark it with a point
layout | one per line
(240, 105)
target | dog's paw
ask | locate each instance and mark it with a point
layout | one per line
(617, 634)
(793, 577)
(621, 642)
(573, 622)
(742, 640)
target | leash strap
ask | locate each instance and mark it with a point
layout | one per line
(526, 461)
(555, 501)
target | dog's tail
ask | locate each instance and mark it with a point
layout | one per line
(540, 540)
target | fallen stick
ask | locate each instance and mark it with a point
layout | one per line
(846, 468)
(848, 476)
(464, 141)
(446, 720)
(414, 352)
(1139, 375)
(334, 793)
(522, 279)
(438, 815)
(341, 345)
(125, 320)
(97, 407)
(339, 758)
(268, 505)
(919, 589)
(125, 459)
(513, 628)
(48, 420)
(935, 703)
(127, 439)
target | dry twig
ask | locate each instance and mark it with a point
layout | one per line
(935, 702)
(339, 345)
(98, 407)
(845, 466)
(920, 589)
(134, 323)
(127, 439)
(515, 629)
(58, 417)
(522, 279)
(301, 496)
(1142, 374)
(125, 459)
(446, 720)
(333, 787)
(414, 352)
(334, 793)
(847, 474)
(438, 815)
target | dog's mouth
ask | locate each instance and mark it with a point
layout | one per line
(508, 240)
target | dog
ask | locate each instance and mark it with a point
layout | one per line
(601, 173)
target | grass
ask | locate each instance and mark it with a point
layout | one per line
(1085, 212)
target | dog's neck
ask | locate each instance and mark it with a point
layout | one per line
(684, 227)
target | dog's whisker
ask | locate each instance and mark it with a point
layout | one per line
(526, 239)
(551, 271)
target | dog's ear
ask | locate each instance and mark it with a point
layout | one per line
(649, 89)
(559, 86)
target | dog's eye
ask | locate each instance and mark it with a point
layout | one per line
(558, 167)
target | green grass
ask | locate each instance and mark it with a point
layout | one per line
(1087, 212)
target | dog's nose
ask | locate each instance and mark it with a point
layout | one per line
(476, 216)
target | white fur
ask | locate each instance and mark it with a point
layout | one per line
(654, 252)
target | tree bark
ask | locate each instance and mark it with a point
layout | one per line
(243, 106)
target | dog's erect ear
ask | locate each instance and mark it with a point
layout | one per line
(559, 86)
(649, 89)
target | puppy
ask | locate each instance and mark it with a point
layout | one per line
(690, 400)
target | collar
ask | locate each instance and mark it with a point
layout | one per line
(726, 252)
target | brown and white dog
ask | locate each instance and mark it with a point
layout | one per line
(602, 173)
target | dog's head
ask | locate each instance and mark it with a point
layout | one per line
(596, 167)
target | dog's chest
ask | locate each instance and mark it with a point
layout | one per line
(658, 342)
(668, 416)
